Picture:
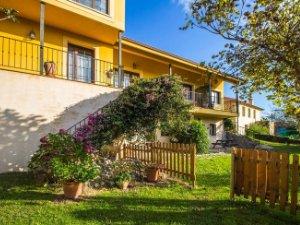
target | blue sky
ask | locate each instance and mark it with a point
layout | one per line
(157, 23)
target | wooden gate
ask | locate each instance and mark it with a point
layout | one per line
(267, 175)
(178, 159)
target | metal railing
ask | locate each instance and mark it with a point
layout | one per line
(24, 56)
(202, 100)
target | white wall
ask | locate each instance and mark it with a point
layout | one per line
(32, 106)
(246, 120)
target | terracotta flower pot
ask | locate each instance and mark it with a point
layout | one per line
(152, 174)
(123, 185)
(49, 68)
(73, 190)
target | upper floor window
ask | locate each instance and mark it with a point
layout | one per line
(243, 111)
(99, 5)
(249, 112)
(254, 113)
(215, 97)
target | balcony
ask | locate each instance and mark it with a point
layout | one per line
(94, 19)
(77, 64)
(204, 107)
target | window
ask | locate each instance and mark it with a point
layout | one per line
(99, 5)
(215, 97)
(128, 78)
(243, 111)
(249, 112)
(80, 64)
(254, 113)
(187, 91)
(212, 129)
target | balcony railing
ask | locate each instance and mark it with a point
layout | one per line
(202, 100)
(24, 56)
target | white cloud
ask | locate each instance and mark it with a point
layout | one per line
(185, 4)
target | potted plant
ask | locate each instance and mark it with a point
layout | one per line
(73, 175)
(50, 68)
(152, 172)
(123, 179)
(65, 159)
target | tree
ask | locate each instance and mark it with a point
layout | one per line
(8, 14)
(263, 44)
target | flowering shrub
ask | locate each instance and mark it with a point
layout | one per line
(58, 152)
(138, 110)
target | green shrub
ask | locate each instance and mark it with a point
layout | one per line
(194, 132)
(76, 171)
(123, 176)
(257, 128)
(60, 155)
(229, 125)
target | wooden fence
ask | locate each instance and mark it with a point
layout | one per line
(178, 160)
(269, 176)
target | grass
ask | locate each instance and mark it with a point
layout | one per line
(21, 202)
(291, 148)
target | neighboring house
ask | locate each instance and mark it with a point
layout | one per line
(81, 62)
(248, 113)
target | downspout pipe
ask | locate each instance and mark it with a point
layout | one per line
(42, 36)
(120, 62)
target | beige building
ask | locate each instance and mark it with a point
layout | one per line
(248, 113)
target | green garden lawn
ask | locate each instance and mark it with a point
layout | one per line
(23, 203)
(291, 148)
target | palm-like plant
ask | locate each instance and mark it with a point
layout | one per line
(8, 14)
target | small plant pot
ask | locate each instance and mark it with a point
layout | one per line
(123, 185)
(152, 174)
(50, 68)
(72, 190)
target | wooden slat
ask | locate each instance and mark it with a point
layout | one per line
(233, 175)
(262, 175)
(254, 175)
(284, 182)
(272, 180)
(294, 185)
(247, 171)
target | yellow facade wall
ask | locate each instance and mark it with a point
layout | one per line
(148, 67)
(18, 52)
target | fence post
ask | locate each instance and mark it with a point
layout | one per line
(193, 164)
(232, 178)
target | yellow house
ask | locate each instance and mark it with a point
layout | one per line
(80, 61)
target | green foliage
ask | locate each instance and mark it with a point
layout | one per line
(139, 109)
(257, 128)
(123, 176)
(61, 157)
(263, 45)
(229, 125)
(193, 131)
(77, 171)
